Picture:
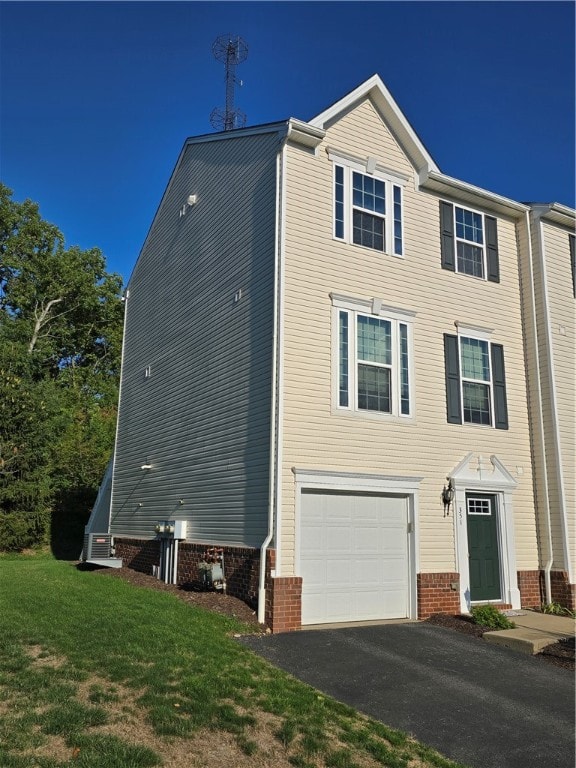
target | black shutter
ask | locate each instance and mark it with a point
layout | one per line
(492, 249)
(571, 239)
(499, 384)
(447, 235)
(452, 363)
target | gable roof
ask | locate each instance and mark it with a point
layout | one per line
(375, 90)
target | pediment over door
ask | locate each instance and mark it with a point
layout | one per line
(480, 471)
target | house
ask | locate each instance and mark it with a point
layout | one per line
(324, 375)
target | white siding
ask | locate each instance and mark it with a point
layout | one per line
(317, 436)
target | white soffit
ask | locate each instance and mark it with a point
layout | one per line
(381, 97)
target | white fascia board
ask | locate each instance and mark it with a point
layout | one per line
(304, 134)
(556, 213)
(468, 193)
(375, 89)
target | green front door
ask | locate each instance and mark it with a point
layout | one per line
(483, 551)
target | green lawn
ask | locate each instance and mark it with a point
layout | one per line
(96, 673)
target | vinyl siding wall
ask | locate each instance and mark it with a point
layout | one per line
(316, 436)
(202, 416)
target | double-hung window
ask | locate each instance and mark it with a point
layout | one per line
(469, 242)
(373, 367)
(475, 381)
(368, 207)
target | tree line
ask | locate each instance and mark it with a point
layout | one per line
(61, 316)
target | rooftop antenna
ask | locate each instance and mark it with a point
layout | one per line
(231, 50)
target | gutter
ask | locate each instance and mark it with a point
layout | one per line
(274, 463)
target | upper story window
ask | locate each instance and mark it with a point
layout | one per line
(475, 381)
(368, 207)
(374, 358)
(469, 242)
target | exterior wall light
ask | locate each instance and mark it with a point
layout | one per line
(448, 494)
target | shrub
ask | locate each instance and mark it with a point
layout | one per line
(20, 530)
(557, 610)
(489, 616)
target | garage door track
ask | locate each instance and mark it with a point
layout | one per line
(485, 706)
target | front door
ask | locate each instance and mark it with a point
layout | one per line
(483, 550)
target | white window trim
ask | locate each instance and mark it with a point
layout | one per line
(457, 239)
(478, 334)
(376, 308)
(368, 167)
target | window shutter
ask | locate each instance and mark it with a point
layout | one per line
(571, 240)
(447, 236)
(492, 249)
(499, 384)
(452, 363)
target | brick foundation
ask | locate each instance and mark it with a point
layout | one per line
(533, 590)
(437, 595)
(531, 586)
(241, 564)
(562, 591)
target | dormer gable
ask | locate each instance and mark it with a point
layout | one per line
(380, 97)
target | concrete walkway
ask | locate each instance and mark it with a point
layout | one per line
(533, 631)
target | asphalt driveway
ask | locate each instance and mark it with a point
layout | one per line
(482, 705)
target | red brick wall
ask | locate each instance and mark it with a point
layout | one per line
(533, 590)
(241, 564)
(562, 591)
(284, 604)
(436, 595)
(138, 554)
(531, 586)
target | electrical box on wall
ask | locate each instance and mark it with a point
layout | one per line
(173, 528)
(180, 529)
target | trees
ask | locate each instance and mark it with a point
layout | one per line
(60, 345)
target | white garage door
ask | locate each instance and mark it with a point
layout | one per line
(353, 557)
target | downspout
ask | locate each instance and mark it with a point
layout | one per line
(554, 401)
(274, 405)
(122, 353)
(547, 517)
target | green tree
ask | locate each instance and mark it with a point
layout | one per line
(60, 345)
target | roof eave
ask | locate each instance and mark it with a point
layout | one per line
(556, 213)
(468, 193)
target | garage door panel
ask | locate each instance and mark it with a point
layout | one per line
(354, 557)
(337, 538)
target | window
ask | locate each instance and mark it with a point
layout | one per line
(475, 381)
(373, 363)
(469, 242)
(368, 209)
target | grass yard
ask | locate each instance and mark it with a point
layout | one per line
(97, 673)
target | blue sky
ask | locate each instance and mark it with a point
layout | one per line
(96, 99)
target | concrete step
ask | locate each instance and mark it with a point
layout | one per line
(533, 631)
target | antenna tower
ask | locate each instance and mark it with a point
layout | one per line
(231, 50)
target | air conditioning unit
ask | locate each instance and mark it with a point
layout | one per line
(97, 546)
